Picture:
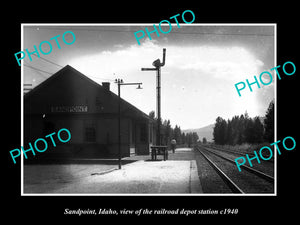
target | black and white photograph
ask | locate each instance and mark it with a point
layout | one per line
(149, 111)
(159, 114)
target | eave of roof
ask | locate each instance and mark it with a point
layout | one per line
(68, 67)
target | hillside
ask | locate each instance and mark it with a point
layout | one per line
(202, 132)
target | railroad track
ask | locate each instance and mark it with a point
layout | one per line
(248, 180)
(239, 153)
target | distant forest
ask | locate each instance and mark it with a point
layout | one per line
(168, 133)
(243, 129)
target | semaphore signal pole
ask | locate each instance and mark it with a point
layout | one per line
(157, 64)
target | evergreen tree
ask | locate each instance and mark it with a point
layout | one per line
(249, 132)
(233, 130)
(183, 138)
(229, 134)
(195, 138)
(269, 123)
(259, 130)
(167, 131)
(177, 134)
(242, 123)
(152, 114)
(189, 139)
(219, 132)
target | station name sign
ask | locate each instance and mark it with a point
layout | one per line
(67, 109)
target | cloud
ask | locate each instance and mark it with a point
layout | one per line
(203, 73)
(229, 63)
(226, 63)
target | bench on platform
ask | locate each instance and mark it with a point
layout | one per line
(159, 150)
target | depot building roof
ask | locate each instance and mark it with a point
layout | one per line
(69, 91)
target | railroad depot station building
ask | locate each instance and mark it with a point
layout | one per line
(69, 99)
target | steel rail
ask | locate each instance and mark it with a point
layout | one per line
(251, 170)
(238, 153)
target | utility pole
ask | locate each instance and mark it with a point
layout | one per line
(157, 64)
(120, 82)
(119, 122)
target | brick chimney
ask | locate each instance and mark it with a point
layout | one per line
(106, 85)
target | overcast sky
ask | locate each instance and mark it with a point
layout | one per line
(203, 62)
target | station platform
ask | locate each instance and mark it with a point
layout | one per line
(177, 175)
